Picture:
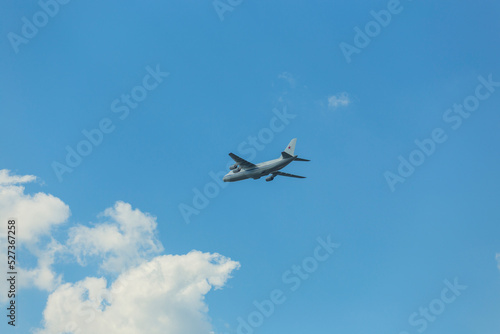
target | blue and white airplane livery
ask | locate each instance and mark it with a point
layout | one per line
(243, 169)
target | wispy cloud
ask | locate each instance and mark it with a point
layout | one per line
(338, 100)
(7, 179)
(288, 77)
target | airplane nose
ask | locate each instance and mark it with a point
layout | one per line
(225, 178)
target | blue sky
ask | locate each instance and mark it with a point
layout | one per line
(231, 71)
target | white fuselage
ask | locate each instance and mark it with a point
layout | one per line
(262, 169)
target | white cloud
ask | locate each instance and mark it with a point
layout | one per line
(126, 240)
(338, 100)
(162, 294)
(43, 276)
(36, 215)
(288, 77)
(7, 179)
(165, 295)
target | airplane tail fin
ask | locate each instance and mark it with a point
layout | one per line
(290, 149)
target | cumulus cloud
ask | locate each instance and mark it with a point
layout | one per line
(36, 215)
(127, 239)
(152, 293)
(164, 295)
(43, 276)
(338, 100)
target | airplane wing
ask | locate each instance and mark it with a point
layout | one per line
(289, 175)
(242, 162)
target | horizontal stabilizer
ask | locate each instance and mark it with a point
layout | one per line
(285, 155)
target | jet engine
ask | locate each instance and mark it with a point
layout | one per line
(236, 170)
(270, 178)
(233, 166)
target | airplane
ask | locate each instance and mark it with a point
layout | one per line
(243, 169)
